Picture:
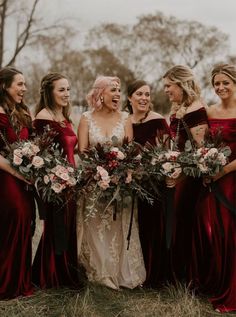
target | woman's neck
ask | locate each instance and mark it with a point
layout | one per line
(139, 116)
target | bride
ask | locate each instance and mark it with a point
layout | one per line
(102, 241)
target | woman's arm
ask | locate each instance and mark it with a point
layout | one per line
(6, 166)
(198, 133)
(83, 134)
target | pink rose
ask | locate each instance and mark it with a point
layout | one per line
(37, 161)
(17, 160)
(57, 188)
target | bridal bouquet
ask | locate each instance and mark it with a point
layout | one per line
(112, 174)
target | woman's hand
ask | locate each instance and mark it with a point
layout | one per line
(21, 177)
(172, 182)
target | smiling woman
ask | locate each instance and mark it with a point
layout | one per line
(55, 262)
(17, 204)
(101, 239)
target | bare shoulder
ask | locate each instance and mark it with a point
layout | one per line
(2, 110)
(196, 105)
(44, 114)
(154, 115)
(211, 111)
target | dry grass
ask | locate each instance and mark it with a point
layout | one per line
(98, 301)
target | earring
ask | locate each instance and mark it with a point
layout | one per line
(102, 99)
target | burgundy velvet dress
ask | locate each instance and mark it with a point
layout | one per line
(151, 217)
(53, 268)
(186, 193)
(16, 210)
(213, 268)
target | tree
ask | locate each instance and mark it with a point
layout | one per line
(157, 42)
(23, 14)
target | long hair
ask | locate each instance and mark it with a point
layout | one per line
(226, 69)
(46, 99)
(94, 96)
(18, 114)
(184, 78)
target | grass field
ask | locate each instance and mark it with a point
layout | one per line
(98, 301)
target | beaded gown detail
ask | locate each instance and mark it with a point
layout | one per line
(213, 268)
(151, 218)
(102, 241)
(51, 269)
(16, 211)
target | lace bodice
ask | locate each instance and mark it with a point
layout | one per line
(95, 133)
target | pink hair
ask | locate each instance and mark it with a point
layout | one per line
(94, 96)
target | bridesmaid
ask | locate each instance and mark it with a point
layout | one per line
(17, 204)
(55, 263)
(188, 120)
(147, 127)
(213, 267)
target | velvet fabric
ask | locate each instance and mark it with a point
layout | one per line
(16, 210)
(52, 269)
(151, 218)
(186, 195)
(213, 267)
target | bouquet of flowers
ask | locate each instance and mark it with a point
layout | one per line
(40, 161)
(206, 160)
(112, 174)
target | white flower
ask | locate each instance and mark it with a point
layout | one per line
(37, 161)
(57, 187)
(46, 179)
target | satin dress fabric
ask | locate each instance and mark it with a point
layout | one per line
(186, 195)
(52, 270)
(213, 267)
(151, 218)
(16, 211)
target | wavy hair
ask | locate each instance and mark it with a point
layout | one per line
(226, 69)
(184, 78)
(46, 99)
(94, 96)
(18, 114)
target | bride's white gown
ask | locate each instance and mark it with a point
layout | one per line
(102, 241)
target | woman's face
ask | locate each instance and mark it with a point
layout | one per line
(17, 88)
(61, 92)
(140, 99)
(224, 86)
(173, 91)
(111, 96)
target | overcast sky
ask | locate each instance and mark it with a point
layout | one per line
(87, 13)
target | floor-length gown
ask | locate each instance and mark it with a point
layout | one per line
(102, 241)
(50, 267)
(213, 268)
(151, 218)
(186, 193)
(16, 211)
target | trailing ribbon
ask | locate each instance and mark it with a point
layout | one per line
(131, 220)
(222, 199)
(169, 197)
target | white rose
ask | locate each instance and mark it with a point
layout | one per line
(37, 161)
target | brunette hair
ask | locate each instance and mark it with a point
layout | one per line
(46, 99)
(226, 69)
(94, 97)
(18, 114)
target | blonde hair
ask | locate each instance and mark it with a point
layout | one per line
(94, 96)
(226, 69)
(184, 78)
